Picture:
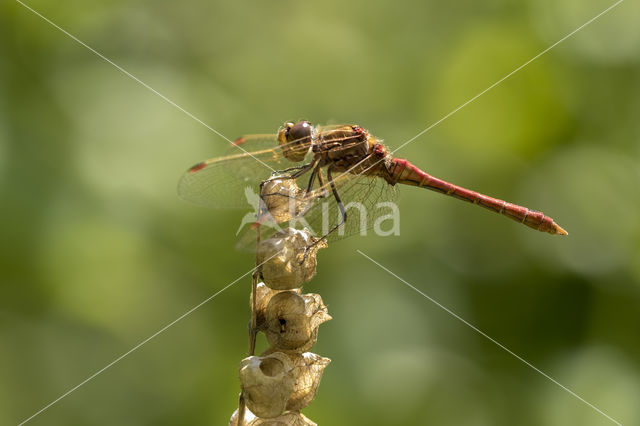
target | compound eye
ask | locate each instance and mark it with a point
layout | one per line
(287, 127)
(300, 131)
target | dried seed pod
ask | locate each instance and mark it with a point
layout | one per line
(248, 418)
(287, 419)
(263, 295)
(267, 383)
(307, 372)
(288, 258)
(292, 320)
(283, 199)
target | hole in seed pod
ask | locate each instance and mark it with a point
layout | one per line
(283, 323)
(271, 367)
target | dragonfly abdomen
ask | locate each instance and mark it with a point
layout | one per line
(402, 171)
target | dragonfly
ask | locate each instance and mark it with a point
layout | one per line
(331, 168)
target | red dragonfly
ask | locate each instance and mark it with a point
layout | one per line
(358, 168)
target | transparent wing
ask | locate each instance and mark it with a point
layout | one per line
(222, 182)
(249, 143)
(367, 200)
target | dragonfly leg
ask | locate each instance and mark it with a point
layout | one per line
(316, 172)
(343, 213)
(324, 193)
(291, 169)
(300, 171)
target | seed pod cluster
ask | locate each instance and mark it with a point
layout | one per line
(284, 379)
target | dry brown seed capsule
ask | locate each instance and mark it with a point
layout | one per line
(266, 383)
(287, 419)
(288, 258)
(283, 199)
(263, 295)
(307, 372)
(248, 417)
(292, 320)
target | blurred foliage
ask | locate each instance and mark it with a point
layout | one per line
(98, 253)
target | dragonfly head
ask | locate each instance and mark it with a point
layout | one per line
(295, 139)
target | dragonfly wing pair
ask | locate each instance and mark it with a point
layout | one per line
(233, 181)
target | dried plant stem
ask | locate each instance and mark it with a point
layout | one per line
(241, 410)
(253, 327)
(253, 332)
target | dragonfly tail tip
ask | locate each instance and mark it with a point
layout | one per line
(559, 230)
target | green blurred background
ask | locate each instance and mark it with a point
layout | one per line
(98, 252)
